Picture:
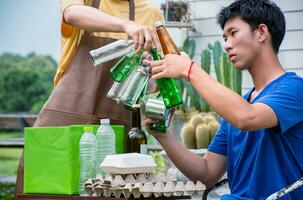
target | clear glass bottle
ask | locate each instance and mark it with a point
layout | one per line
(168, 87)
(136, 136)
(117, 90)
(123, 68)
(136, 85)
(88, 153)
(111, 51)
(106, 140)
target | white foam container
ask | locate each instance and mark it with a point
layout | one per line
(128, 163)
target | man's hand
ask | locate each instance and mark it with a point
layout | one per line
(143, 36)
(175, 66)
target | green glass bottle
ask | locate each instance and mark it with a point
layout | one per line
(123, 68)
(168, 87)
(136, 137)
(161, 126)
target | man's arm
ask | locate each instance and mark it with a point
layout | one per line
(207, 169)
(231, 106)
(228, 104)
(93, 20)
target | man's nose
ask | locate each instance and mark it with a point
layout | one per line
(228, 45)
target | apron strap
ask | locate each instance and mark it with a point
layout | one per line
(131, 10)
(96, 4)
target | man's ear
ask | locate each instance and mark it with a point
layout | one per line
(262, 32)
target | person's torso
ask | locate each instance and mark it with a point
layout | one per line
(145, 13)
(264, 161)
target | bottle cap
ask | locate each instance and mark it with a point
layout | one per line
(104, 121)
(88, 129)
(158, 24)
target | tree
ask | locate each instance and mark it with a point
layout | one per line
(25, 82)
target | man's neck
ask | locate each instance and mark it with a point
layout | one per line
(265, 68)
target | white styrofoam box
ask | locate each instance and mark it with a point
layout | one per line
(128, 163)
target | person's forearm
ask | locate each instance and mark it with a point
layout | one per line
(93, 20)
(228, 104)
(193, 166)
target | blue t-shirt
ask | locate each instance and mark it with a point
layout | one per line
(262, 162)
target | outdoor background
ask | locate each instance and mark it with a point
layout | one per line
(30, 48)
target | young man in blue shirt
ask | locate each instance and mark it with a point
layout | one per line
(260, 140)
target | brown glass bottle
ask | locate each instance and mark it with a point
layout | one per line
(167, 43)
(136, 136)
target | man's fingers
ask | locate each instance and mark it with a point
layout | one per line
(158, 75)
(136, 40)
(148, 39)
(146, 62)
(156, 63)
(155, 39)
(141, 43)
(156, 70)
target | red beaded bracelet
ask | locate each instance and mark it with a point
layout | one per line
(189, 70)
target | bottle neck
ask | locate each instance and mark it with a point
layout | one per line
(167, 43)
(136, 120)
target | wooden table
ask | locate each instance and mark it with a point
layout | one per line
(64, 197)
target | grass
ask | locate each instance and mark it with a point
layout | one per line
(9, 157)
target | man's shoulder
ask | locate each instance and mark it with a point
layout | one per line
(291, 81)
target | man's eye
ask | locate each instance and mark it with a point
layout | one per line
(233, 33)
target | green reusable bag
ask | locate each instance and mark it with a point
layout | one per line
(51, 158)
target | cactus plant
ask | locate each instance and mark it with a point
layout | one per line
(196, 120)
(226, 73)
(202, 136)
(212, 127)
(189, 46)
(188, 136)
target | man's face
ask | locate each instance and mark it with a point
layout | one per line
(241, 43)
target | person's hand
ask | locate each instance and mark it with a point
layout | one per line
(147, 122)
(143, 36)
(171, 66)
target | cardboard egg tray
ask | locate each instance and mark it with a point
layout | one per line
(140, 185)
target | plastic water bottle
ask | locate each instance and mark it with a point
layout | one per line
(106, 140)
(88, 152)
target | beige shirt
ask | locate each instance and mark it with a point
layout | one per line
(145, 13)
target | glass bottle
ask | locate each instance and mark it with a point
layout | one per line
(123, 68)
(167, 43)
(136, 85)
(168, 87)
(117, 90)
(111, 51)
(153, 107)
(136, 136)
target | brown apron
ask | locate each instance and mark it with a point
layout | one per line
(80, 95)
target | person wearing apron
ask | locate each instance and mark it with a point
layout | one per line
(79, 95)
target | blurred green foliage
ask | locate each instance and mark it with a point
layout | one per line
(25, 82)
(7, 191)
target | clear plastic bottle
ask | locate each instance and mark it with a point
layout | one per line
(106, 140)
(111, 51)
(88, 152)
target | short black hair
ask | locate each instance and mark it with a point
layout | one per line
(256, 12)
